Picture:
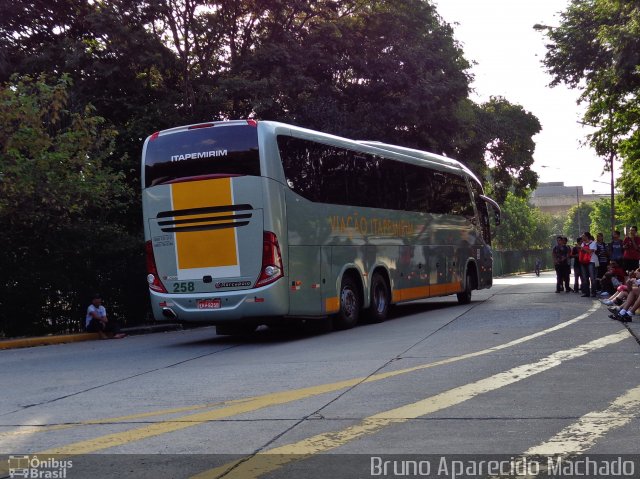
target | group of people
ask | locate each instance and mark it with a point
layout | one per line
(600, 269)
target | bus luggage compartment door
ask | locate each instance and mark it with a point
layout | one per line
(305, 297)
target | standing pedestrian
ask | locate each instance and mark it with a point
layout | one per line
(603, 259)
(589, 262)
(560, 254)
(631, 246)
(566, 268)
(577, 269)
(616, 251)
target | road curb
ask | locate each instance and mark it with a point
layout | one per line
(634, 329)
(73, 338)
(46, 340)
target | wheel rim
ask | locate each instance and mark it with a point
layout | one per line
(349, 302)
(380, 298)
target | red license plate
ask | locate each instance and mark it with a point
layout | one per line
(208, 304)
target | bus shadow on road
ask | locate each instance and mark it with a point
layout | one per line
(297, 329)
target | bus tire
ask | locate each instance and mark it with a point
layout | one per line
(350, 304)
(380, 299)
(465, 296)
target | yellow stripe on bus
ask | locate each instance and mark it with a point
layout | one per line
(204, 249)
(446, 288)
(332, 305)
(408, 294)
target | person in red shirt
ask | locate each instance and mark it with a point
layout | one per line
(631, 247)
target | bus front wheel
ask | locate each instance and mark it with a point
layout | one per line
(350, 304)
(465, 296)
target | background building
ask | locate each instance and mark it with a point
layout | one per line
(556, 198)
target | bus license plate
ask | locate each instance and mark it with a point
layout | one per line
(209, 304)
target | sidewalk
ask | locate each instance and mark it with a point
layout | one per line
(73, 338)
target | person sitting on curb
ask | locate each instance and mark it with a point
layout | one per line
(613, 278)
(96, 320)
(617, 299)
(631, 304)
(629, 307)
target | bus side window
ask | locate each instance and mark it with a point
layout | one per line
(417, 189)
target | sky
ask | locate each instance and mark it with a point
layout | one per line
(498, 36)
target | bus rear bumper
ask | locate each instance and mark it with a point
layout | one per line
(270, 300)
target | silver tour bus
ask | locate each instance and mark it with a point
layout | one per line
(250, 223)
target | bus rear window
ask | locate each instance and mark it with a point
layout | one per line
(217, 150)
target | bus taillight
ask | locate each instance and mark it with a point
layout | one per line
(152, 276)
(271, 260)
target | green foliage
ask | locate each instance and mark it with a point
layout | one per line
(629, 180)
(58, 202)
(523, 227)
(557, 222)
(596, 49)
(330, 65)
(601, 218)
(578, 220)
(502, 133)
(627, 213)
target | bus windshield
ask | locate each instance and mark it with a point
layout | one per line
(196, 152)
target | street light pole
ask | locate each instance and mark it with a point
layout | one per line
(578, 211)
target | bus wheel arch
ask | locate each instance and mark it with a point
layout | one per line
(351, 300)
(470, 283)
(379, 296)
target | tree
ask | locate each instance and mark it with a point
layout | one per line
(115, 61)
(523, 227)
(601, 218)
(499, 138)
(596, 49)
(578, 220)
(58, 199)
(331, 65)
(557, 224)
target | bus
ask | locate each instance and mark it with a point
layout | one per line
(255, 222)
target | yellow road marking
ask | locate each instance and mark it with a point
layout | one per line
(272, 399)
(34, 428)
(582, 435)
(277, 457)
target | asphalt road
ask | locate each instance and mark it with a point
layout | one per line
(520, 371)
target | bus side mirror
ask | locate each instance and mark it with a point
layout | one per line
(494, 206)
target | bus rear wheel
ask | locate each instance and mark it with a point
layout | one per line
(380, 299)
(350, 304)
